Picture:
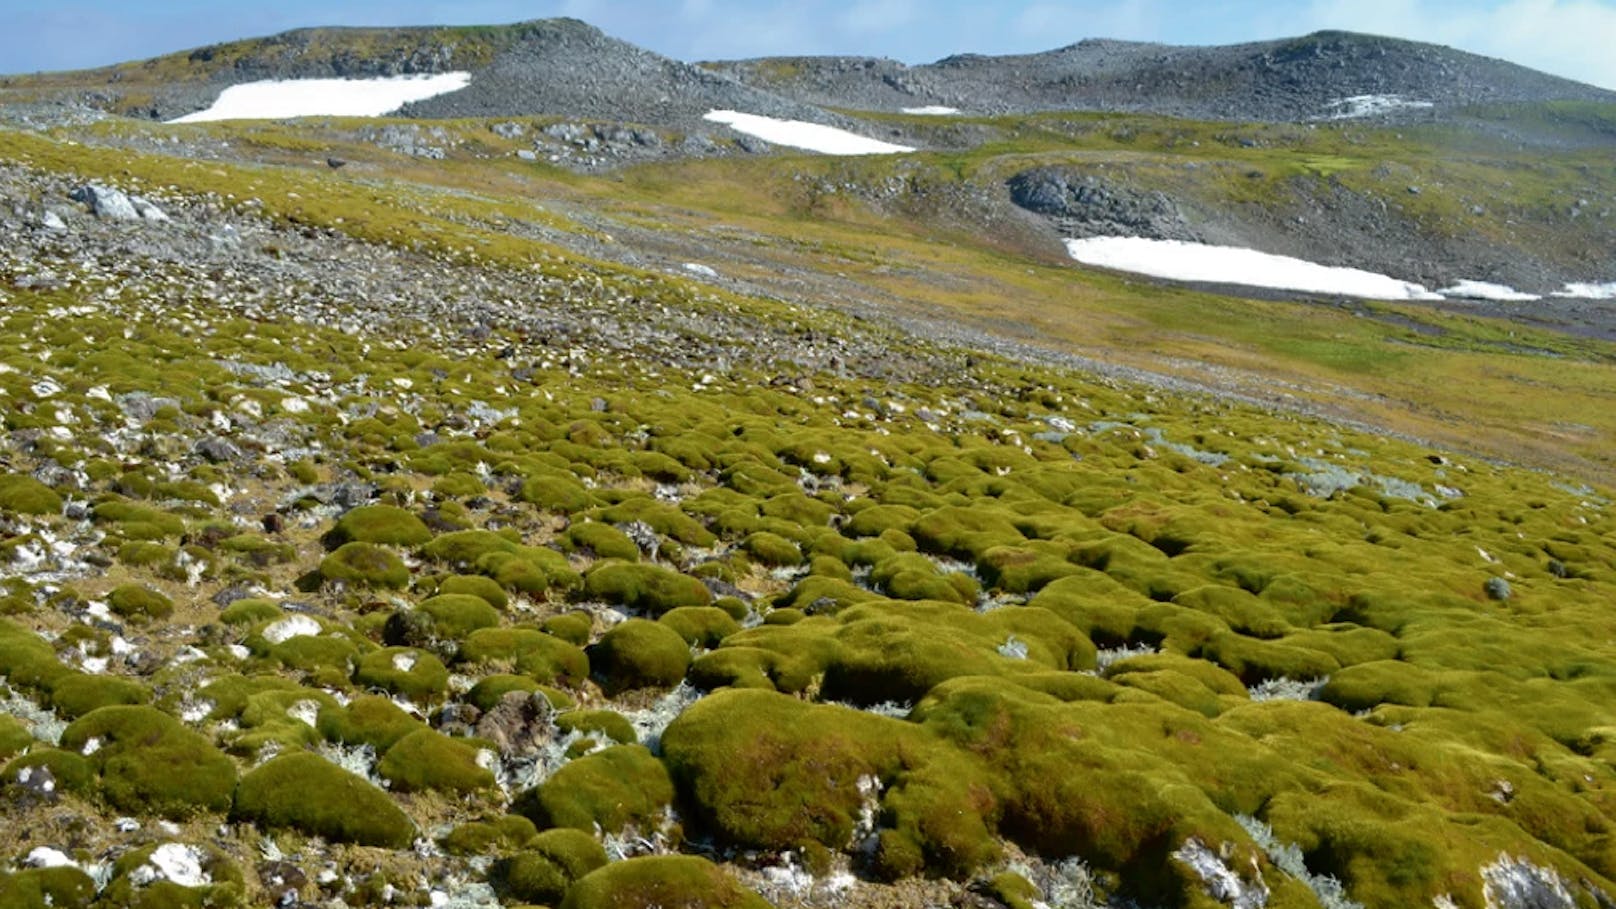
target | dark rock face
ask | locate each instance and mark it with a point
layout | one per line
(1086, 206)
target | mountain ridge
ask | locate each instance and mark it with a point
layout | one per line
(546, 66)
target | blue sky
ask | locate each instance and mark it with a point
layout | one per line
(1567, 37)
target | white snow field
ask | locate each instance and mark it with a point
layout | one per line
(932, 110)
(1372, 106)
(1589, 291)
(1180, 261)
(280, 99)
(1482, 290)
(826, 140)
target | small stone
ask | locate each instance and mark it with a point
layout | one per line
(1498, 589)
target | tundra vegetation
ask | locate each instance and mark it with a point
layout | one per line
(392, 604)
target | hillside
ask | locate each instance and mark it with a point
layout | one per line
(519, 510)
(1301, 79)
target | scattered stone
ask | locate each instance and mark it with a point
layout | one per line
(110, 204)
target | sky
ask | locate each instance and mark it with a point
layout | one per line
(1573, 38)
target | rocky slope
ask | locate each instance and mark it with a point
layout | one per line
(1300, 79)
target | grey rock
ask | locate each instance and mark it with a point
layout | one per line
(1498, 589)
(141, 407)
(107, 203)
(346, 496)
(52, 221)
(218, 450)
(147, 211)
(520, 725)
(1083, 205)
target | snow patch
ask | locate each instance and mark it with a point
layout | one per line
(1178, 260)
(276, 99)
(932, 110)
(1372, 106)
(1481, 290)
(827, 140)
(696, 268)
(297, 626)
(1589, 291)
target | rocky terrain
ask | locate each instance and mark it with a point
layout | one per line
(559, 510)
(1315, 77)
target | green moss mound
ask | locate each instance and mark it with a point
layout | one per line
(608, 723)
(309, 794)
(490, 690)
(487, 589)
(365, 565)
(548, 865)
(672, 882)
(129, 887)
(381, 524)
(132, 601)
(250, 611)
(77, 694)
(556, 493)
(14, 737)
(441, 622)
(70, 770)
(648, 588)
(539, 656)
(603, 540)
(407, 671)
(701, 626)
(639, 653)
(148, 763)
(772, 549)
(622, 785)
(47, 888)
(367, 720)
(503, 834)
(21, 494)
(426, 759)
(573, 627)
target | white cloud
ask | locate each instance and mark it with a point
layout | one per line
(1571, 38)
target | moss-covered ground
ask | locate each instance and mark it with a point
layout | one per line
(464, 606)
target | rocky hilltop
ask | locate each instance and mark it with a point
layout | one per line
(1309, 78)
